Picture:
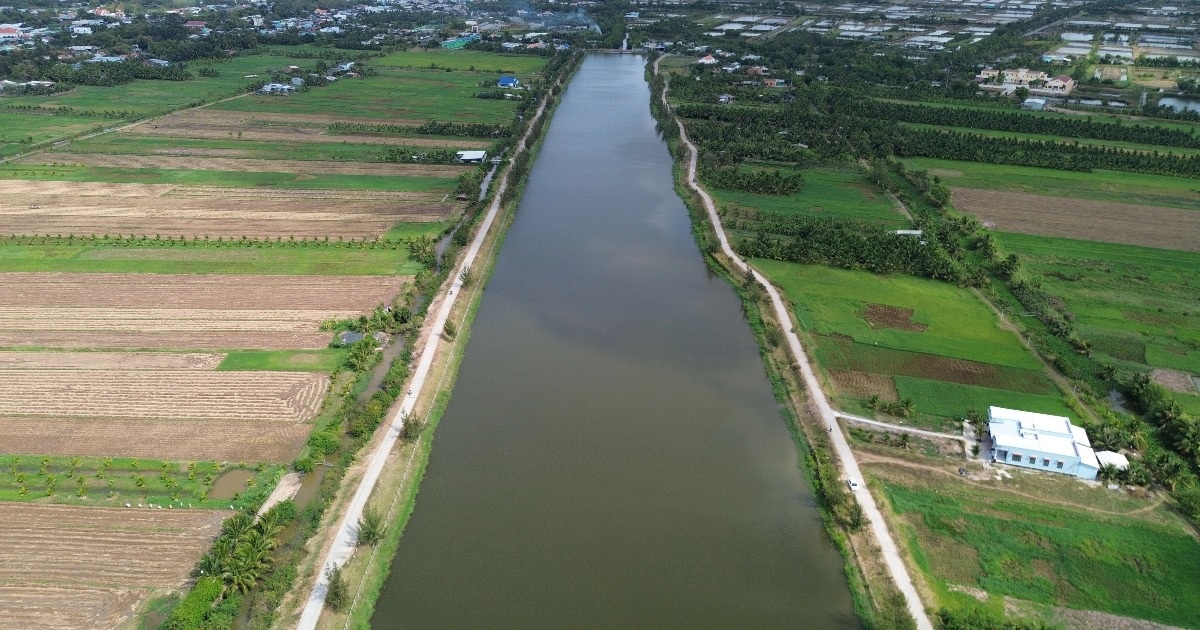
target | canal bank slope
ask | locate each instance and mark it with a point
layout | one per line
(847, 461)
(426, 385)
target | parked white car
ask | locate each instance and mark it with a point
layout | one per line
(853, 483)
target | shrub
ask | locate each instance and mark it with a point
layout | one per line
(191, 611)
(337, 596)
(370, 527)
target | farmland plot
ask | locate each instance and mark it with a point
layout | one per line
(64, 567)
(298, 167)
(1107, 222)
(164, 311)
(92, 208)
(178, 406)
(290, 127)
(163, 394)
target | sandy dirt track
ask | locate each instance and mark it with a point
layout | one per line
(177, 439)
(299, 167)
(71, 567)
(87, 208)
(1103, 221)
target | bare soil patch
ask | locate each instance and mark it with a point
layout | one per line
(864, 385)
(174, 439)
(164, 394)
(1103, 221)
(1174, 380)
(884, 316)
(109, 360)
(87, 208)
(300, 167)
(71, 567)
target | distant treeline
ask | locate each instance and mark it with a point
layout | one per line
(1000, 120)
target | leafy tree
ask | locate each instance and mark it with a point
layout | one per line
(370, 527)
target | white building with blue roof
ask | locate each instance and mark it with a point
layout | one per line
(1041, 442)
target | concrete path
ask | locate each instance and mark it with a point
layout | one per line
(879, 529)
(901, 428)
(346, 538)
(287, 488)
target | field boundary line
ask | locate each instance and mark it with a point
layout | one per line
(879, 527)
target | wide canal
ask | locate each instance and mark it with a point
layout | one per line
(613, 455)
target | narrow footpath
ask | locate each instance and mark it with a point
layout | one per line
(346, 538)
(879, 528)
(900, 428)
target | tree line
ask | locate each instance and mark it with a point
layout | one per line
(464, 130)
(847, 244)
(1000, 120)
(763, 182)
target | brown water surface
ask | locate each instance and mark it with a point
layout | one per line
(613, 455)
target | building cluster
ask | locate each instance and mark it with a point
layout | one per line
(1036, 81)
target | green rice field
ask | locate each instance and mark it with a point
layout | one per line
(1047, 554)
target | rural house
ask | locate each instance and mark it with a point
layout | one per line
(1063, 84)
(507, 81)
(1044, 442)
(471, 157)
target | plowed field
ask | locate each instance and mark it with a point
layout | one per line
(165, 311)
(223, 125)
(227, 292)
(164, 394)
(177, 439)
(1084, 219)
(864, 385)
(109, 361)
(87, 208)
(299, 167)
(66, 567)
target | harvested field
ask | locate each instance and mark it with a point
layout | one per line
(164, 341)
(1091, 220)
(864, 385)
(109, 361)
(164, 394)
(160, 320)
(883, 316)
(68, 567)
(180, 440)
(165, 311)
(299, 167)
(52, 208)
(274, 127)
(351, 294)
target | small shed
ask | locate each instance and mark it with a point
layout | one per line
(1035, 104)
(471, 157)
(1116, 459)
